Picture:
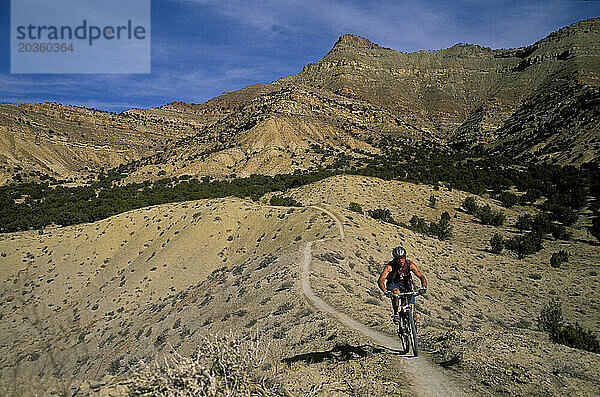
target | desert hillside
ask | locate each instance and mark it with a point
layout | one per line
(93, 299)
(49, 140)
(236, 244)
(539, 101)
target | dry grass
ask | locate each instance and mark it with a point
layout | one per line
(226, 365)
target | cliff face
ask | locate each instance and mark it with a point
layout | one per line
(68, 142)
(466, 92)
(437, 86)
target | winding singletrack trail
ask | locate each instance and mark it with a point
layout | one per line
(428, 381)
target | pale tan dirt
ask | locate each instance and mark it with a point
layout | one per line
(428, 380)
(480, 308)
(233, 265)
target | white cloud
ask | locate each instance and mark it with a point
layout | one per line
(409, 25)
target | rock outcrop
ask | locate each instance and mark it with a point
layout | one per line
(539, 100)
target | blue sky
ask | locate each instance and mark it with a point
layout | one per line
(202, 48)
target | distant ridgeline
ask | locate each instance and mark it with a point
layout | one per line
(566, 188)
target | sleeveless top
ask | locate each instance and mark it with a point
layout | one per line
(400, 274)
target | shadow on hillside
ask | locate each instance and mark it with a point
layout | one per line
(338, 353)
(590, 242)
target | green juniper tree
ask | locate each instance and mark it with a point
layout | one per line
(497, 243)
(432, 201)
(355, 207)
(444, 230)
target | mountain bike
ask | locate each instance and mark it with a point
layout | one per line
(407, 327)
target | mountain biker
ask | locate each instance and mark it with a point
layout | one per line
(396, 278)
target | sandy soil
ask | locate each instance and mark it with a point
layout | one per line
(91, 300)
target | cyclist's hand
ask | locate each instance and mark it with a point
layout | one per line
(422, 290)
(388, 293)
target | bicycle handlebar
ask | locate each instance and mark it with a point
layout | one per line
(400, 295)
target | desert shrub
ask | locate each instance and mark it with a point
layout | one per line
(355, 207)
(572, 335)
(508, 199)
(444, 230)
(524, 222)
(286, 285)
(432, 229)
(531, 196)
(542, 223)
(432, 201)
(558, 258)
(418, 224)
(114, 366)
(563, 206)
(283, 308)
(488, 216)
(222, 366)
(551, 318)
(575, 198)
(485, 214)
(382, 214)
(284, 201)
(525, 244)
(469, 205)
(565, 215)
(332, 257)
(560, 232)
(497, 243)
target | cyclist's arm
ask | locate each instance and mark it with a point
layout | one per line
(386, 270)
(417, 273)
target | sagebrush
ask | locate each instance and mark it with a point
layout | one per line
(572, 335)
(226, 365)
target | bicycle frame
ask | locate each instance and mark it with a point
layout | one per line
(407, 330)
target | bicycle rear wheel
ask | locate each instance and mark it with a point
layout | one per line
(413, 332)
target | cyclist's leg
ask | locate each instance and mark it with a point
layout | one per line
(403, 289)
(395, 302)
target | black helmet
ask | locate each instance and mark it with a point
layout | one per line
(398, 252)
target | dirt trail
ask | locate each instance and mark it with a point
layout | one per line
(426, 377)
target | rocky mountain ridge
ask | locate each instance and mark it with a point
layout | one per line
(467, 95)
(69, 142)
(466, 91)
(176, 246)
(540, 100)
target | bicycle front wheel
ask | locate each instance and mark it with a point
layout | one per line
(413, 333)
(403, 334)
